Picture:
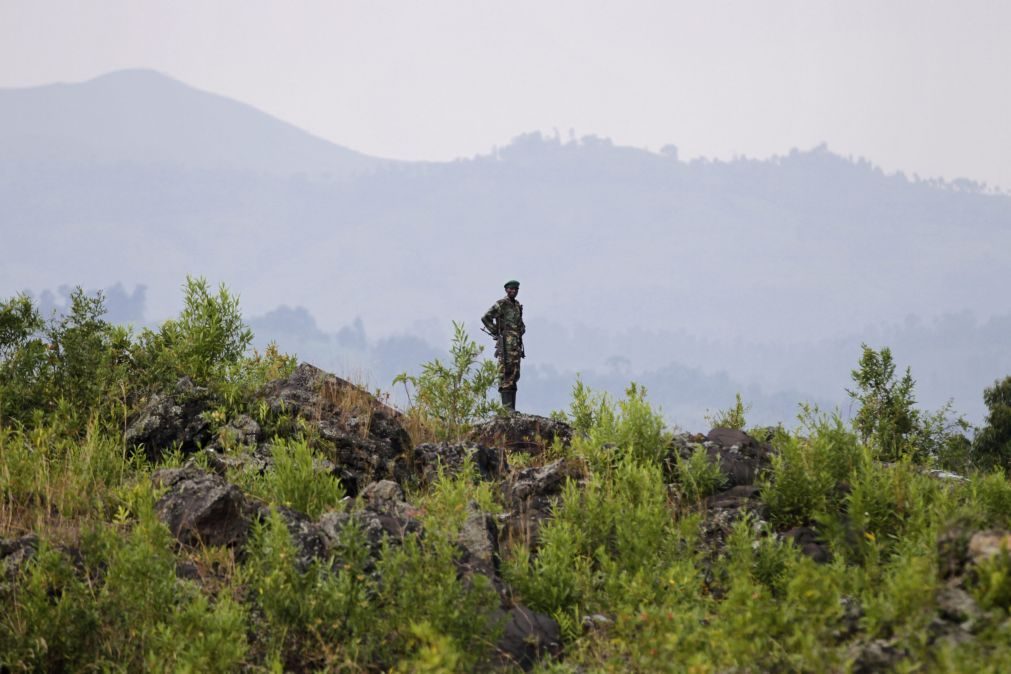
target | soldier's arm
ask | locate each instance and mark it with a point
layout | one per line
(523, 326)
(490, 319)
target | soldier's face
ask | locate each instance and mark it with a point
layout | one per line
(511, 292)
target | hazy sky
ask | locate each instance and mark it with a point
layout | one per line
(917, 85)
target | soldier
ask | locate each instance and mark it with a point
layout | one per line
(504, 322)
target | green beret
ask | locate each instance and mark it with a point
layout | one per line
(512, 284)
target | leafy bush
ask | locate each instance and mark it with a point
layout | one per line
(888, 420)
(315, 605)
(632, 424)
(50, 621)
(886, 413)
(992, 445)
(207, 338)
(297, 479)
(76, 358)
(698, 475)
(733, 417)
(450, 398)
(800, 483)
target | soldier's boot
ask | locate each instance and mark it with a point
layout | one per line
(505, 399)
(509, 399)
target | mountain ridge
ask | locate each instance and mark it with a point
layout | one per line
(144, 116)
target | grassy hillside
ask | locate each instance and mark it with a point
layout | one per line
(172, 503)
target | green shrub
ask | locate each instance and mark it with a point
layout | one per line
(200, 636)
(453, 498)
(888, 420)
(698, 475)
(886, 415)
(991, 583)
(609, 544)
(50, 619)
(207, 339)
(992, 445)
(297, 479)
(420, 585)
(992, 499)
(450, 398)
(733, 417)
(800, 483)
(74, 360)
(586, 408)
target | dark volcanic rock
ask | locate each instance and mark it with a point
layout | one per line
(530, 494)
(809, 542)
(490, 462)
(740, 456)
(385, 497)
(14, 554)
(528, 636)
(202, 508)
(363, 437)
(479, 540)
(875, 656)
(376, 527)
(522, 433)
(242, 430)
(740, 498)
(170, 421)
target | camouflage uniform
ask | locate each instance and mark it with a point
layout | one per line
(505, 322)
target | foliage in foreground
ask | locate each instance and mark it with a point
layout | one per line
(628, 564)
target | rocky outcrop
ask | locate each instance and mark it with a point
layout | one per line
(740, 457)
(490, 462)
(530, 495)
(202, 508)
(363, 437)
(478, 540)
(240, 431)
(522, 433)
(170, 421)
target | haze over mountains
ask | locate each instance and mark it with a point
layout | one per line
(699, 278)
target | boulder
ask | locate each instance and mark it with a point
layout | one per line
(740, 457)
(363, 437)
(957, 606)
(14, 554)
(875, 656)
(490, 462)
(240, 431)
(527, 637)
(810, 543)
(986, 544)
(171, 420)
(478, 539)
(375, 526)
(529, 496)
(385, 497)
(201, 508)
(522, 433)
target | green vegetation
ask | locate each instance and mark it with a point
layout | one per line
(449, 398)
(636, 565)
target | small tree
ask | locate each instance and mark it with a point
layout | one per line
(886, 413)
(992, 445)
(450, 398)
(73, 357)
(207, 338)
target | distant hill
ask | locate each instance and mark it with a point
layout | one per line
(144, 117)
(769, 270)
